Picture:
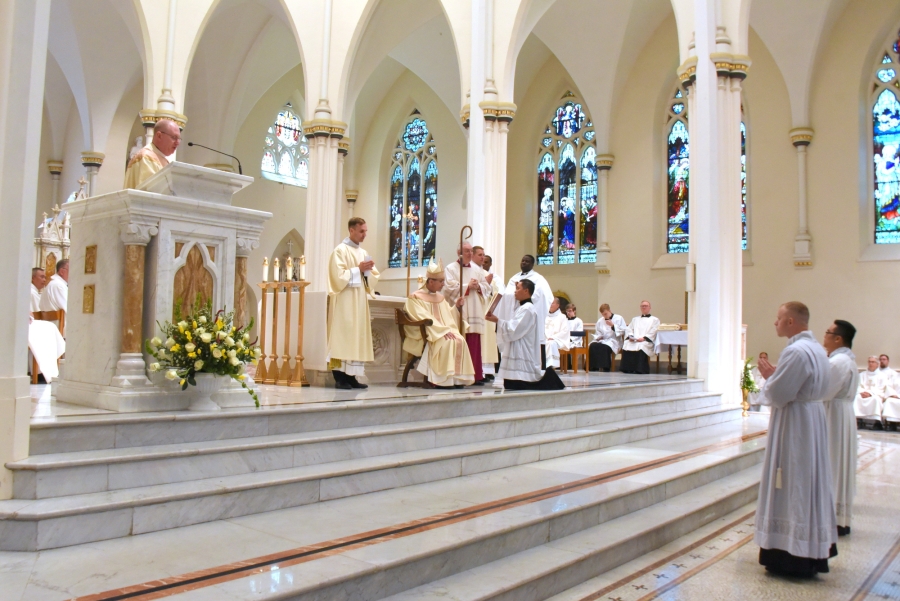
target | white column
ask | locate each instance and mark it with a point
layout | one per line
(604, 164)
(92, 161)
(495, 239)
(341, 218)
(476, 191)
(55, 168)
(166, 102)
(23, 55)
(801, 138)
(714, 351)
(323, 210)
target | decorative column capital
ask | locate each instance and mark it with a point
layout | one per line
(179, 119)
(734, 66)
(351, 196)
(90, 158)
(137, 234)
(464, 115)
(687, 72)
(605, 162)
(801, 136)
(55, 167)
(506, 111)
(148, 117)
(344, 146)
(327, 128)
(244, 246)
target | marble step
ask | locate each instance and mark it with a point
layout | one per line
(61, 521)
(556, 566)
(108, 431)
(60, 474)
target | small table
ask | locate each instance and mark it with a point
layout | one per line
(665, 340)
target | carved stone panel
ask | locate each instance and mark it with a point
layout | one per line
(192, 280)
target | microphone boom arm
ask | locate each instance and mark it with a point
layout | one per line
(240, 170)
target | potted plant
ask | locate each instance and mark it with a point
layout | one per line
(203, 350)
(748, 385)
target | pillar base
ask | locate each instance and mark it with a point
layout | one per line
(803, 251)
(131, 371)
(602, 262)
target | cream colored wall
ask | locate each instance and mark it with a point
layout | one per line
(373, 150)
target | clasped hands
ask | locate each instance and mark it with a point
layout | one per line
(366, 266)
(765, 368)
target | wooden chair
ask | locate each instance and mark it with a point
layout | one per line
(60, 316)
(402, 318)
(575, 353)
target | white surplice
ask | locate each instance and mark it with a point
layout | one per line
(641, 327)
(611, 336)
(842, 447)
(799, 517)
(576, 325)
(35, 299)
(869, 407)
(47, 346)
(55, 295)
(474, 306)
(542, 298)
(556, 333)
(521, 340)
(891, 409)
(753, 397)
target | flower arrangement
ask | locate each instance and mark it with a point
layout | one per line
(747, 381)
(204, 342)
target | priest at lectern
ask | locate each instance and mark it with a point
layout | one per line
(150, 159)
(351, 280)
(445, 361)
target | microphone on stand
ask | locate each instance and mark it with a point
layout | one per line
(240, 171)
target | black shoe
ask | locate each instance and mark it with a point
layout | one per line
(354, 383)
(489, 378)
(843, 530)
(340, 380)
(478, 383)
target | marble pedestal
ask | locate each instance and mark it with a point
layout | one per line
(133, 253)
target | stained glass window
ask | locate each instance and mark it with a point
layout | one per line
(414, 196)
(886, 146)
(567, 187)
(286, 150)
(743, 185)
(678, 166)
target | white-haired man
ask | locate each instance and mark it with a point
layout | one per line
(150, 159)
(869, 399)
(474, 291)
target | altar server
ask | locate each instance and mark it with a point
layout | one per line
(640, 338)
(890, 411)
(870, 394)
(842, 449)
(575, 325)
(520, 337)
(474, 290)
(542, 297)
(55, 295)
(351, 281)
(760, 381)
(489, 355)
(150, 159)
(609, 333)
(445, 355)
(796, 527)
(556, 331)
(38, 281)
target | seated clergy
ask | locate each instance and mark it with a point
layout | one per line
(445, 358)
(38, 281)
(55, 295)
(520, 339)
(890, 411)
(575, 325)
(556, 331)
(640, 338)
(870, 395)
(608, 337)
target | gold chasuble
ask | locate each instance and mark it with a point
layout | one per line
(148, 161)
(445, 359)
(349, 323)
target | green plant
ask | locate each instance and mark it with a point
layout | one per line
(204, 342)
(747, 381)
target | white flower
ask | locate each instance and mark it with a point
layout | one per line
(182, 324)
(234, 361)
(155, 342)
(154, 367)
(206, 337)
(198, 365)
(171, 375)
(229, 341)
(202, 319)
(217, 353)
(190, 347)
(199, 331)
(240, 344)
(246, 338)
(162, 354)
(232, 354)
(257, 352)
(220, 334)
(170, 342)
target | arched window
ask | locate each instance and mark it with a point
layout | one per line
(567, 187)
(414, 195)
(286, 150)
(743, 182)
(678, 166)
(886, 144)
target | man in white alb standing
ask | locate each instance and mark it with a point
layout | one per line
(474, 290)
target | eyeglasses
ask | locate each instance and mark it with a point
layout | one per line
(830, 333)
(176, 138)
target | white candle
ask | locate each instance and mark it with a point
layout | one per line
(277, 270)
(265, 269)
(289, 267)
(301, 269)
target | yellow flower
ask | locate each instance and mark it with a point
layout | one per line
(182, 382)
(175, 348)
(187, 335)
(192, 355)
(195, 324)
(242, 377)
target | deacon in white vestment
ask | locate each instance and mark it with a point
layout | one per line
(445, 359)
(556, 331)
(640, 340)
(38, 281)
(520, 337)
(609, 334)
(842, 437)
(869, 399)
(475, 290)
(796, 527)
(351, 279)
(542, 297)
(55, 295)
(575, 325)
(890, 411)
(489, 355)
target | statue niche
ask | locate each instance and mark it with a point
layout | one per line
(192, 279)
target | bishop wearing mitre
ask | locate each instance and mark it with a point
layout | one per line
(445, 361)
(475, 290)
(150, 159)
(351, 281)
